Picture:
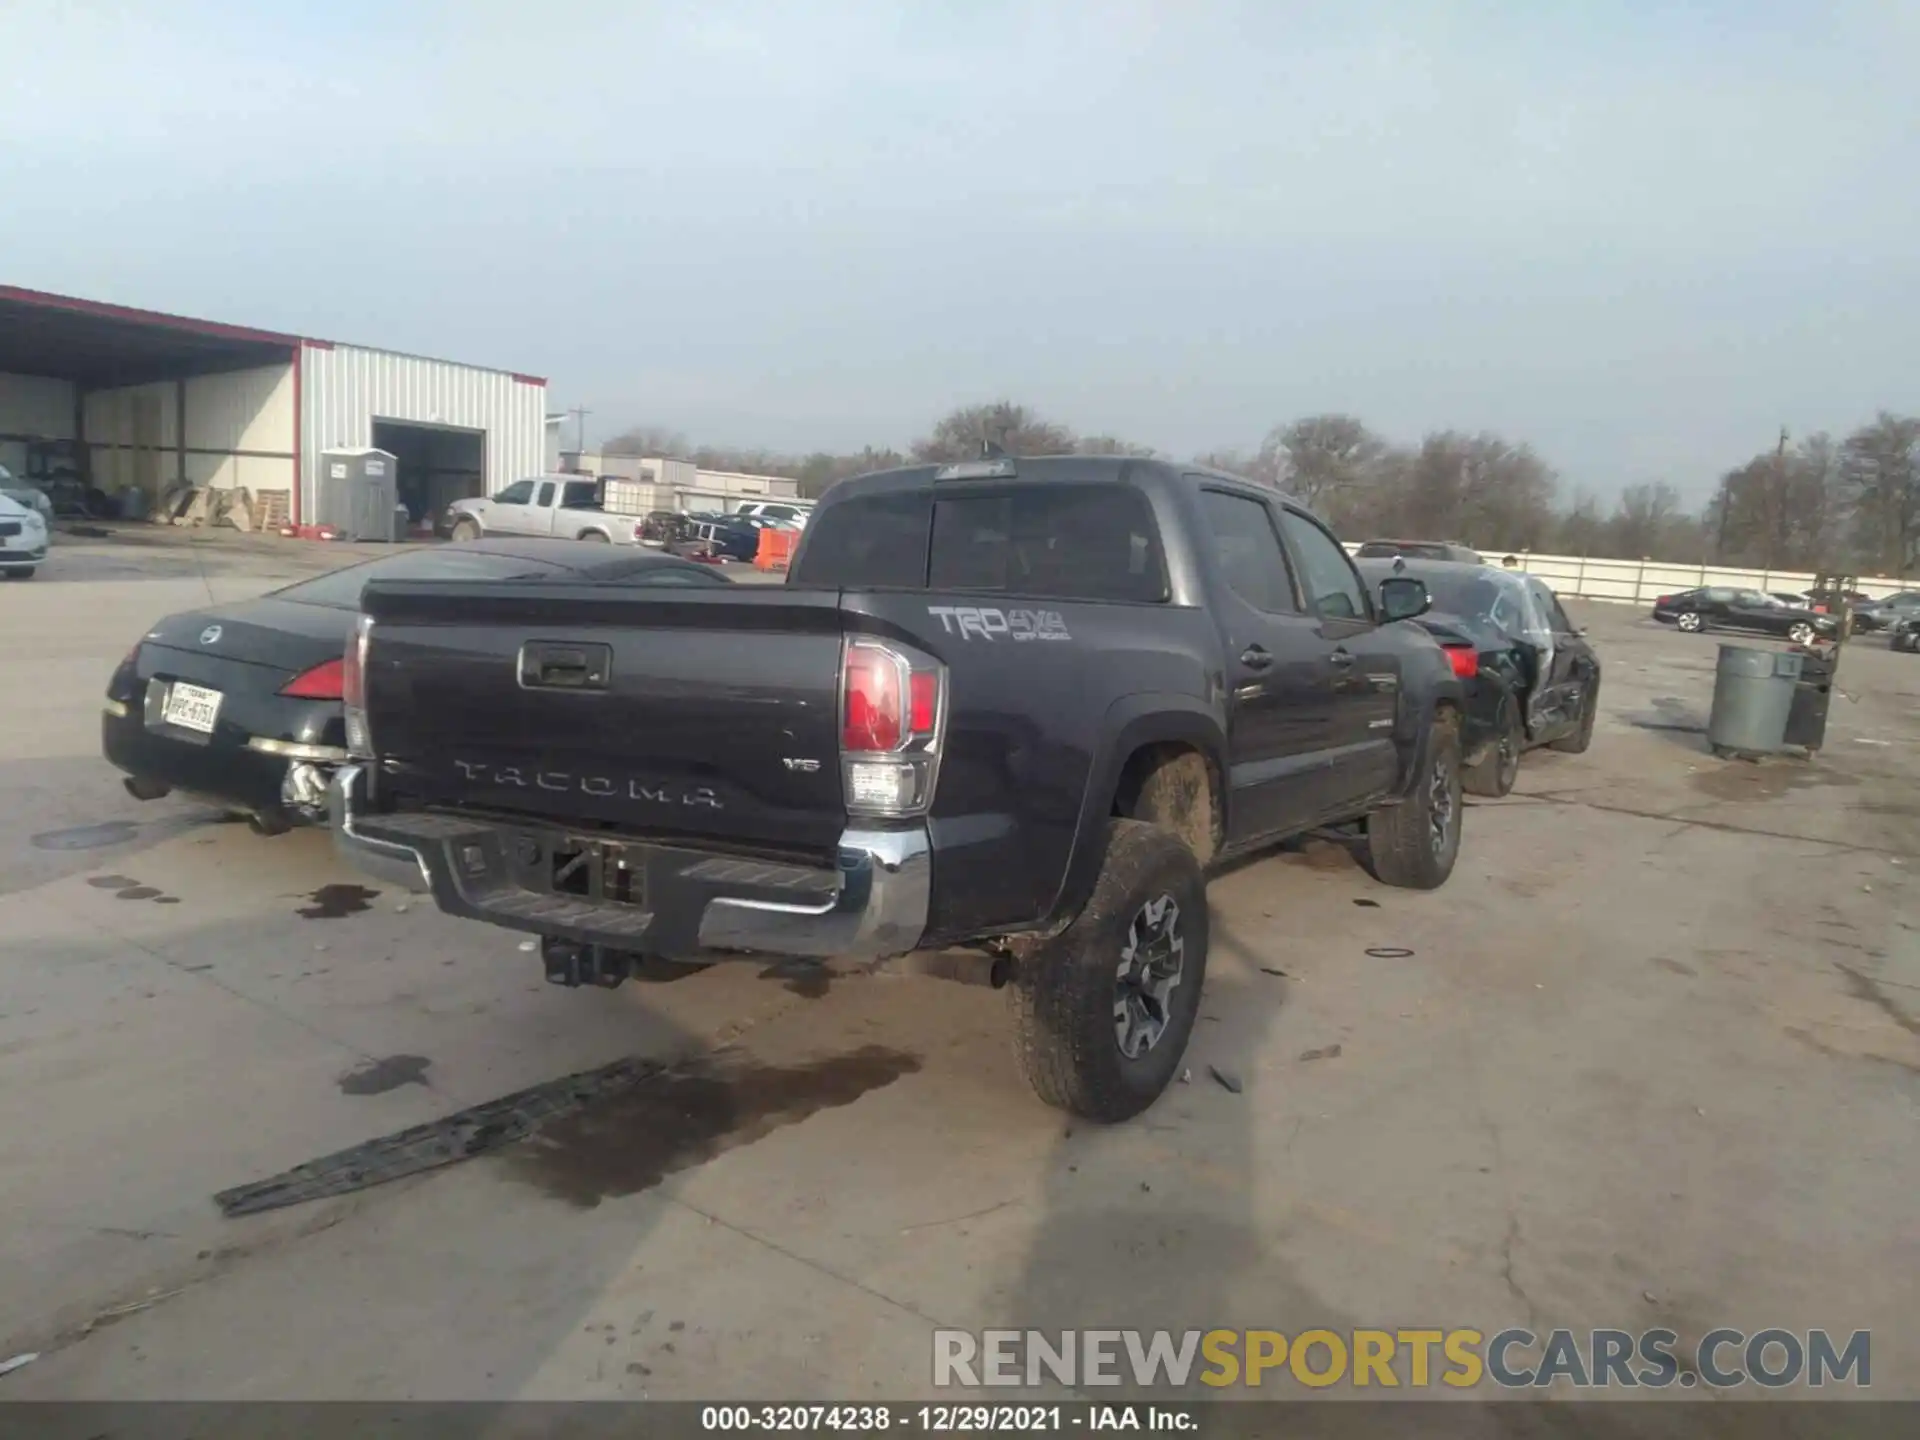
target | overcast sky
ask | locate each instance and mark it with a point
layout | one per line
(1640, 235)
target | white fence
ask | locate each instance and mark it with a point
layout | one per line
(1641, 582)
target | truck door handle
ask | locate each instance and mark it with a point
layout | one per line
(1341, 657)
(545, 665)
(1256, 657)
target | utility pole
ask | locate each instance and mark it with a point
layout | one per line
(580, 413)
(1777, 509)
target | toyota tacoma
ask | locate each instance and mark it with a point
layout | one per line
(1018, 705)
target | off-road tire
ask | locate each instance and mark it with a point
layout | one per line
(1493, 775)
(1401, 848)
(1063, 994)
(466, 530)
(1582, 737)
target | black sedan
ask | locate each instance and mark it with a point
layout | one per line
(240, 704)
(1722, 607)
(1530, 676)
(1888, 611)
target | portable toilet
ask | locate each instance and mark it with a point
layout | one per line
(357, 493)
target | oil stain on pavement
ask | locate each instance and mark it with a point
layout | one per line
(582, 1138)
(125, 887)
(686, 1116)
(334, 902)
(377, 1077)
(86, 837)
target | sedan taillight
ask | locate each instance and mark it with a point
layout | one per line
(322, 682)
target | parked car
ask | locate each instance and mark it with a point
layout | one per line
(1018, 705)
(663, 527)
(1722, 607)
(561, 506)
(23, 539)
(1421, 550)
(1529, 674)
(1884, 613)
(31, 496)
(782, 512)
(240, 704)
(721, 539)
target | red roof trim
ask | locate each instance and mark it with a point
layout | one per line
(540, 380)
(319, 344)
(158, 320)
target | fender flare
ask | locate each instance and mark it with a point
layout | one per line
(1423, 701)
(1131, 722)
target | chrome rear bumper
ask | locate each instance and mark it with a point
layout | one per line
(872, 904)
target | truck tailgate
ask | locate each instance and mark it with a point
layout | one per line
(709, 714)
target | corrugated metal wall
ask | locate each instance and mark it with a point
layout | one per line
(239, 432)
(344, 389)
(32, 408)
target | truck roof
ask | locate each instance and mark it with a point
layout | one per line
(1037, 469)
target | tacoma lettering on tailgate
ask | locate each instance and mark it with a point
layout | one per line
(568, 782)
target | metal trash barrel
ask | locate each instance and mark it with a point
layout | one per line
(1753, 693)
(1807, 720)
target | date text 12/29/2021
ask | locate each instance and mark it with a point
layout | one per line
(945, 1419)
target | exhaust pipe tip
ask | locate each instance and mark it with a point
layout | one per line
(146, 789)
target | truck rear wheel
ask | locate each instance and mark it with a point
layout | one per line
(1413, 845)
(1103, 1012)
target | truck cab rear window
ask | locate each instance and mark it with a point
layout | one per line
(875, 542)
(1060, 542)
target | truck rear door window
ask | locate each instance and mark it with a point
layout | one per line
(1059, 542)
(875, 542)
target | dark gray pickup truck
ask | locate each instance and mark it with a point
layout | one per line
(1019, 705)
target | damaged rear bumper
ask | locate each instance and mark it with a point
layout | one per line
(658, 899)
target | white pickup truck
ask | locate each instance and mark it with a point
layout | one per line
(565, 506)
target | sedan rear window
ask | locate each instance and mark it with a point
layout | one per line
(341, 589)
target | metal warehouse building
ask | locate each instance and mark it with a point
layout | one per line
(144, 401)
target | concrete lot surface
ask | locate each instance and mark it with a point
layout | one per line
(1653, 1060)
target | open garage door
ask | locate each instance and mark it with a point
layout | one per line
(435, 464)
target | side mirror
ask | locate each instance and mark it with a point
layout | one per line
(1403, 598)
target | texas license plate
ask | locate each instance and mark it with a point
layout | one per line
(191, 707)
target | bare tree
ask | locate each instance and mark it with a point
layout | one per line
(1330, 463)
(1232, 462)
(1784, 509)
(647, 440)
(1015, 428)
(1109, 445)
(1581, 530)
(1456, 486)
(1650, 522)
(1880, 468)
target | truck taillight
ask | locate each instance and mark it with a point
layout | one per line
(892, 717)
(1464, 659)
(353, 689)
